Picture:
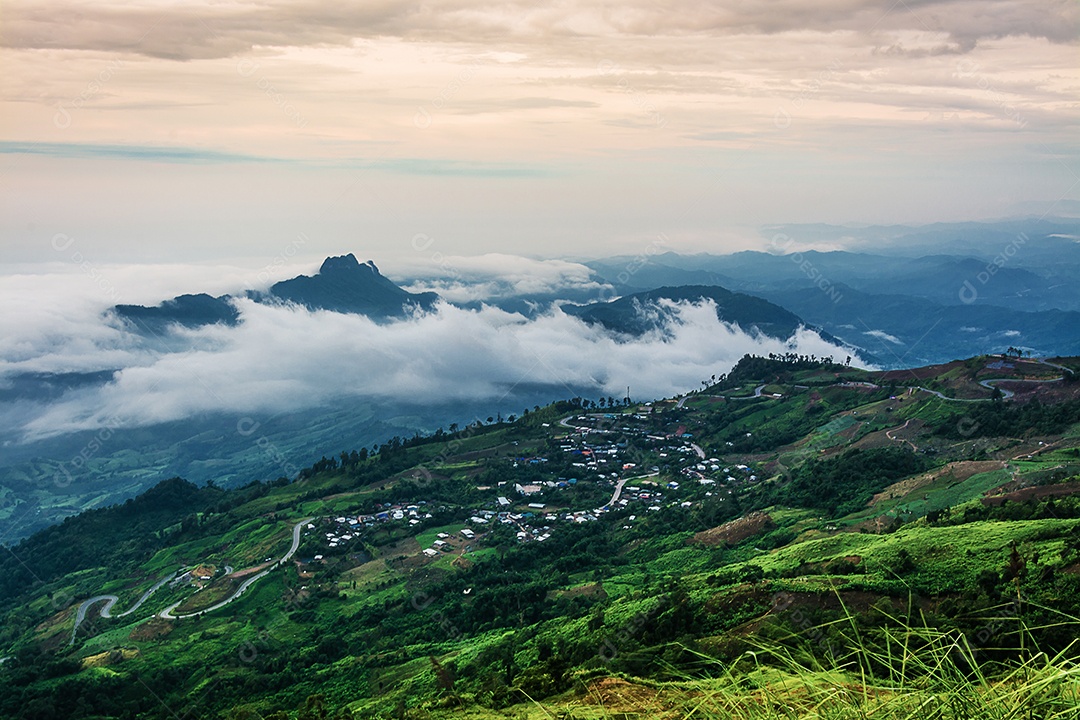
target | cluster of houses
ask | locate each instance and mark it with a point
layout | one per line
(650, 496)
(345, 528)
(675, 449)
(732, 475)
(595, 452)
(444, 543)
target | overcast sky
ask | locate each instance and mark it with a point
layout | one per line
(156, 132)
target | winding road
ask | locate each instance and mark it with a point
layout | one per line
(111, 600)
(889, 434)
(1055, 365)
(167, 613)
(989, 384)
(757, 393)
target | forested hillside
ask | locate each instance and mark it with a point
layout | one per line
(593, 558)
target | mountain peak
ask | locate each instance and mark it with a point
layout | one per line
(344, 284)
(345, 263)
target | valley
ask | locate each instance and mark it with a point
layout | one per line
(587, 555)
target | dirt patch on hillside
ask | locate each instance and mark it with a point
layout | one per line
(593, 590)
(923, 373)
(959, 471)
(212, 594)
(898, 436)
(848, 601)
(503, 449)
(1034, 493)
(249, 571)
(110, 657)
(736, 531)
(850, 432)
(151, 630)
(964, 470)
(908, 485)
(55, 632)
(1048, 393)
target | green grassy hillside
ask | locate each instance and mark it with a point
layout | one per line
(799, 539)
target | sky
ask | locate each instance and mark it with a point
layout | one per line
(155, 147)
(247, 134)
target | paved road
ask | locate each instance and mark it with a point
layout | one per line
(298, 528)
(110, 601)
(757, 394)
(296, 531)
(167, 613)
(1005, 394)
(80, 614)
(565, 422)
(1055, 365)
(619, 486)
(989, 384)
(935, 393)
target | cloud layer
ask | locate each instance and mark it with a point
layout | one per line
(285, 358)
(494, 276)
(585, 128)
(211, 30)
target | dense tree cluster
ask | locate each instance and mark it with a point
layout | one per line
(776, 367)
(844, 484)
(1000, 419)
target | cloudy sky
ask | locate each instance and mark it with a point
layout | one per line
(155, 131)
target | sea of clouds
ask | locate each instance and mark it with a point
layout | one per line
(284, 358)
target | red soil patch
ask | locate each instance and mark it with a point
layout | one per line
(923, 373)
(592, 590)
(151, 630)
(849, 433)
(959, 471)
(249, 571)
(736, 531)
(1034, 493)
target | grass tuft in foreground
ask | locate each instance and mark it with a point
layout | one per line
(902, 673)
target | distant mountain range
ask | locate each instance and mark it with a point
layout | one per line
(343, 284)
(909, 295)
(641, 312)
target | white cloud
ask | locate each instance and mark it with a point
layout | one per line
(208, 30)
(282, 358)
(496, 275)
(882, 335)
